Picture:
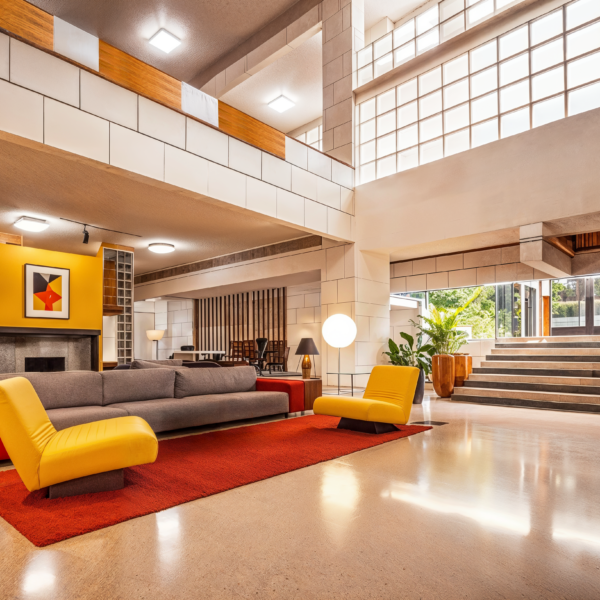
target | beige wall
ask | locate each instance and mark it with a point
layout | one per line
(304, 321)
(545, 174)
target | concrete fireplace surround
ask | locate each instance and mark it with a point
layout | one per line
(79, 347)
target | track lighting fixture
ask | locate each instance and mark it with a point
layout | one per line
(86, 235)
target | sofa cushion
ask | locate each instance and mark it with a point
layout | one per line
(63, 418)
(137, 385)
(168, 414)
(146, 364)
(202, 382)
(66, 388)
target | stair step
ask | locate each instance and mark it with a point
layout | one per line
(549, 379)
(544, 358)
(461, 392)
(549, 345)
(537, 404)
(553, 371)
(540, 386)
(550, 339)
(529, 351)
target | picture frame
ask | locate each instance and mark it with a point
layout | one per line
(47, 292)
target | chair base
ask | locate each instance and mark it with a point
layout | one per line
(366, 426)
(102, 482)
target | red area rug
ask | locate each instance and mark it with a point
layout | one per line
(187, 468)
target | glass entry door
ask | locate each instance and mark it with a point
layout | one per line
(576, 306)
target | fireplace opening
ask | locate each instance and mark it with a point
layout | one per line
(44, 364)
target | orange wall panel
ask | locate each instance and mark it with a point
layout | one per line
(27, 21)
(251, 130)
(139, 77)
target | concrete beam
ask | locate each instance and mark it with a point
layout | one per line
(539, 254)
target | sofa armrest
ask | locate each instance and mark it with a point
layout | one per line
(294, 390)
(3, 452)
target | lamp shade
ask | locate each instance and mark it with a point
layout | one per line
(307, 346)
(339, 331)
(155, 334)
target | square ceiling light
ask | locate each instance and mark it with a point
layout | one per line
(165, 41)
(281, 104)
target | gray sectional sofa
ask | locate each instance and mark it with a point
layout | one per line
(166, 398)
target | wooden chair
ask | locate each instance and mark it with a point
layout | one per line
(278, 356)
(236, 351)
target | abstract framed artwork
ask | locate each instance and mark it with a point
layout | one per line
(47, 292)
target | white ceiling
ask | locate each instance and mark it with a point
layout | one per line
(297, 75)
(375, 10)
(50, 184)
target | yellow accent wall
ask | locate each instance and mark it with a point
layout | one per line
(86, 288)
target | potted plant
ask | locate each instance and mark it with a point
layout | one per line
(406, 355)
(441, 329)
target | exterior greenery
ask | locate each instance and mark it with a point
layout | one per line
(406, 355)
(480, 314)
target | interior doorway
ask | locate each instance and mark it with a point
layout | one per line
(516, 310)
(575, 306)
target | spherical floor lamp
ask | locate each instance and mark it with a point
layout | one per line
(154, 335)
(339, 332)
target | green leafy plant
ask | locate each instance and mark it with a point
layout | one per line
(406, 355)
(441, 327)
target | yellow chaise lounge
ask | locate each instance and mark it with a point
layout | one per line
(78, 460)
(387, 401)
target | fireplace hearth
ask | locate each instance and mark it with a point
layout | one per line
(44, 364)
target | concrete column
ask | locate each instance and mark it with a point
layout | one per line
(357, 284)
(343, 36)
(539, 254)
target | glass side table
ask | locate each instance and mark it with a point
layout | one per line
(351, 380)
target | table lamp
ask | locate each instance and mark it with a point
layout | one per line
(339, 331)
(154, 335)
(307, 347)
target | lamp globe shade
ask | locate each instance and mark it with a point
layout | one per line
(155, 334)
(339, 331)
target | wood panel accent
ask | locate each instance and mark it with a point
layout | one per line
(110, 307)
(546, 315)
(251, 130)
(304, 243)
(139, 77)
(27, 21)
(587, 241)
(11, 238)
(232, 323)
(564, 244)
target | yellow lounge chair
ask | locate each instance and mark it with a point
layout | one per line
(387, 401)
(78, 460)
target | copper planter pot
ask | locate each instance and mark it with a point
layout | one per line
(443, 373)
(461, 369)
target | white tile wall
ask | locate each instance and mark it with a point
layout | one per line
(136, 152)
(4, 56)
(43, 73)
(347, 200)
(227, 185)
(186, 170)
(315, 215)
(304, 321)
(304, 183)
(109, 101)
(75, 131)
(342, 174)
(276, 171)
(328, 193)
(207, 142)
(296, 153)
(339, 224)
(319, 164)
(161, 123)
(176, 318)
(290, 207)
(261, 197)
(245, 158)
(21, 112)
(76, 44)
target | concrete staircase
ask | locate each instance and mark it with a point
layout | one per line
(559, 373)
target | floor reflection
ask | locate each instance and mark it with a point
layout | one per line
(39, 577)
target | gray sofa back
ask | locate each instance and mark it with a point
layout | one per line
(137, 384)
(201, 382)
(65, 389)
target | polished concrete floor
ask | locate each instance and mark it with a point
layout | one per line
(498, 503)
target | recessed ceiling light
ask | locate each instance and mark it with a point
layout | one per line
(164, 41)
(161, 248)
(281, 104)
(31, 224)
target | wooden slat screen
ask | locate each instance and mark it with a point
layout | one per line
(242, 317)
(587, 241)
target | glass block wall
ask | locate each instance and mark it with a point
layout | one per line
(314, 137)
(538, 73)
(432, 27)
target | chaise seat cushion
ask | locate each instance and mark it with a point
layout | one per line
(64, 389)
(360, 409)
(63, 418)
(137, 385)
(178, 413)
